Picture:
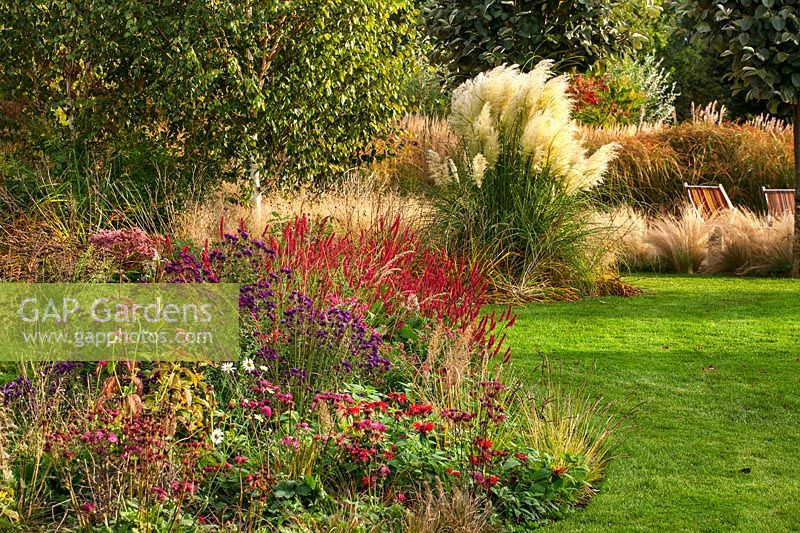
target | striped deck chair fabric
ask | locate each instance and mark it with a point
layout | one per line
(779, 201)
(708, 200)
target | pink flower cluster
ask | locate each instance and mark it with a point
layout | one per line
(128, 246)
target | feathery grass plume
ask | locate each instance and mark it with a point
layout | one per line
(407, 164)
(520, 203)
(680, 242)
(533, 110)
(769, 123)
(747, 244)
(710, 114)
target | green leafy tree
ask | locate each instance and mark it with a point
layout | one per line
(291, 89)
(762, 39)
(476, 35)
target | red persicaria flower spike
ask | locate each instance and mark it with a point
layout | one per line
(507, 357)
(206, 261)
(499, 344)
(221, 228)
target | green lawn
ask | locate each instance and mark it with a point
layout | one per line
(715, 362)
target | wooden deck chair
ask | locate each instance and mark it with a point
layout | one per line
(708, 200)
(779, 202)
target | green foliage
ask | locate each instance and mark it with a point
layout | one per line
(698, 73)
(602, 101)
(762, 39)
(298, 88)
(523, 222)
(652, 81)
(474, 36)
(626, 91)
(539, 488)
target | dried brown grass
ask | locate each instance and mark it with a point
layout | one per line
(37, 251)
(652, 164)
(456, 510)
(355, 204)
(680, 241)
(747, 244)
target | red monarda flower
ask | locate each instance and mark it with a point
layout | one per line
(419, 409)
(483, 444)
(397, 397)
(558, 470)
(423, 427)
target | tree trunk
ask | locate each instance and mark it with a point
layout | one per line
(796, 244)
(255, 177)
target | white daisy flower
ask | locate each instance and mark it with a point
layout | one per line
(217, 437)
(248, 365)
(227, 367)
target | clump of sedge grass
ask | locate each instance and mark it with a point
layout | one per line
(569, 422)
(455, 510)
(748, 244)
(681, 241)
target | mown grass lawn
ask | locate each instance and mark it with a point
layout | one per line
(715, 365)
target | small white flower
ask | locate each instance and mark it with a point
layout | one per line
(248, 365)
(258, 418)
(263, 368)
(217, 437)
(227, 368)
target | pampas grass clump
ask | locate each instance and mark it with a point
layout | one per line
(506, 109)
(515, 199)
